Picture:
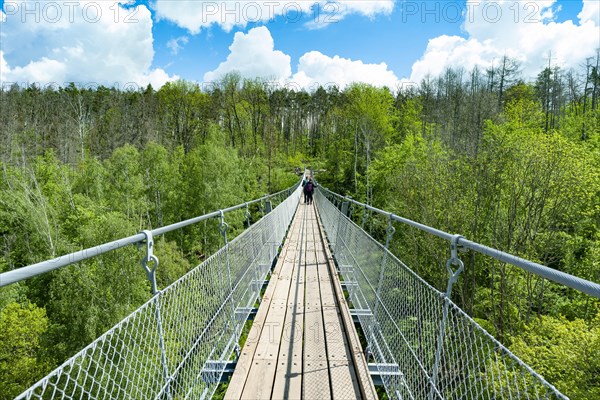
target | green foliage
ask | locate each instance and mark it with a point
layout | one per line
(565, 353)
(125, 189)
(107, 287)
(21, 329)
(173, 265)
(510, 164)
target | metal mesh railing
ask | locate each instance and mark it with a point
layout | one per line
(424, 346)
(177, 345)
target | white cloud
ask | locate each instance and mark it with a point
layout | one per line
(4, 68)
(254, 55)
(195, 15)
(43, 71)
(444, 51)
(590, 12)
(316, 69)
(176, 44)
(156, 77)
(89, 43)
(369, 8)
(525, 31)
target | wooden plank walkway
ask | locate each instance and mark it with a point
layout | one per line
(302, 344)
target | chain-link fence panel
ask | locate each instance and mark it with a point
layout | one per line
(177, 345)
(424, 346)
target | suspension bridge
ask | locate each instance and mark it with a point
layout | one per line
(334, 313)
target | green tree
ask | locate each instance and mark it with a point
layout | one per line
(21, 331)
(185, 111)
(565, 353)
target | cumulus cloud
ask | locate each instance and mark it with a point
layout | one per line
(176, 44)
(525, 31)
(89, 43)
(590, 12)
(254, 55)
(195, 15)
(316, 69)
(4, 68)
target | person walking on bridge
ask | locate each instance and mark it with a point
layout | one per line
(304, 189)
(309, 189)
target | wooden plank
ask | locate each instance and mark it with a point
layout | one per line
(344, 384)
(258, 386)
(304, 344)
(244, 363)
(268, 344)
(315, 384)
(288, 376)
(263, 370)
(353, 346)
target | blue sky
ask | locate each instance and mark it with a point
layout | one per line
(383, 42)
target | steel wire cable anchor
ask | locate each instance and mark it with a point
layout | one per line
(365, 216)
(223, 227)
(151, 274)
(374, 325)
(390, 230)
(452, 261)
(247, 215)
(150, 262)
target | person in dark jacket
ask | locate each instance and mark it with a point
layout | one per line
(309, 189)
(304, 181)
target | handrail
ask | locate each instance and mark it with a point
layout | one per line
(574, 282)
(32, 270)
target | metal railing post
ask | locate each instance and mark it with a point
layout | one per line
(365, 216)
(345, 208)
(223, 230)
(390, 230)
(247, 216)
(339, 224)
(453, 260)
(151, 274)
(268, 206)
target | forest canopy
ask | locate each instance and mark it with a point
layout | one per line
(509, 163)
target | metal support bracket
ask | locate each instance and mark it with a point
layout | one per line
(223, 227)
(217, 371)
(454, 261)
(150, 262)
(379, 372)
(390, 230)
(365, 216)
(247, 215)
(345, 208)
(268, 206)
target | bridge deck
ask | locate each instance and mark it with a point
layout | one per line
(302, 343)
